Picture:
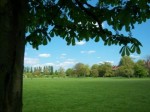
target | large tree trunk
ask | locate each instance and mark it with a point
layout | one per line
(12, 44)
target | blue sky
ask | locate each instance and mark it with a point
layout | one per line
(58, 54)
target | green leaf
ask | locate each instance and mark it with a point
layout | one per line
(132, 48)
(49, 39)
(121, 49)
(109, 42)
(105, 42)
(127, 28)
(138, 50)
(44, 41)
(97, 39)
(127, 51)
(52, 34)
(73, 41)
(123, 53)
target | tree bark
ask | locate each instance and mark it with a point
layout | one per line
(12, 44)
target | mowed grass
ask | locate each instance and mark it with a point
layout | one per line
(86, 95)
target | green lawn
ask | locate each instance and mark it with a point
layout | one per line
(86, 95)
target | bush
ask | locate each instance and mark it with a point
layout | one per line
(109, 73)
(94, 73)
(125, 72)
(140, 71)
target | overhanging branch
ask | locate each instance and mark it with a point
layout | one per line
(89, 13)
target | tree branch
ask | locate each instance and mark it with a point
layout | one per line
(89, 13)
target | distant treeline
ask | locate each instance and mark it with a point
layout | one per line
(126, 68)
(37, 71)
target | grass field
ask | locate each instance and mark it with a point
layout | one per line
(86, 95)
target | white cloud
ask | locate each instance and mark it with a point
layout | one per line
(110, 62)
(44, 55)
(134, 57)
(66, 64)
(44, 64)
(80, 43)
(88, 52)
(63, 56)
(35, 62)
(49, 64)
(69, 59)
(102, 62)
(31, 61)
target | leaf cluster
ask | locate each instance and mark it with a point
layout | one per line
(77, 20)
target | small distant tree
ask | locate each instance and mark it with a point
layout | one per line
(29, 75)
(125, 71)
(104, 69)
(126, 61)
(51, 70)
(46, 70)
(94, 70)
(81, 70)
(126, 67)
(109, 73)
(61, 72)
(70, 72)
(56, 72)
(86, 70)
(31, 70)
(94, 73)
(36, 72)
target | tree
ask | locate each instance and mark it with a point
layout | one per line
(70, 72)
(87, 70)
(71, 20)
(105, 69)
(126, 67)
(126, 61)
(81, 70)
(61, 72)
(147, 62)
(56, 72)
(94, 73)
(51, 70)
(46, 70)
(31, 70)
(140, 69)
(125, 71)
(95, 70)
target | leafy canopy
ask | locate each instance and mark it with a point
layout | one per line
(77, 20)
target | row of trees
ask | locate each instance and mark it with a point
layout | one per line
(38, 71)
(46, 71)
(126, 68)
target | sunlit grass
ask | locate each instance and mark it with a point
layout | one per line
(86, 95)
